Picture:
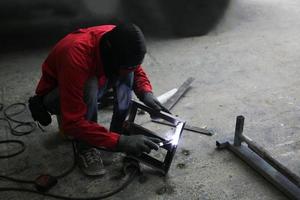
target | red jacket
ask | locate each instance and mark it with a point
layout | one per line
(69, 65)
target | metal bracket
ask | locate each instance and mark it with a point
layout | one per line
(170, 145)
(261, 161)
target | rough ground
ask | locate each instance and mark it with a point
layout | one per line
(248, 65)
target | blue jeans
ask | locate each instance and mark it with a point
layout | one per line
(122, 88)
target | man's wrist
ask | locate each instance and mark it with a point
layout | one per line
(143, 95)
(120, 143)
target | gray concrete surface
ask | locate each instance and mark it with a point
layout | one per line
(248, 65)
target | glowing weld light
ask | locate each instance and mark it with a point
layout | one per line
(175, 138)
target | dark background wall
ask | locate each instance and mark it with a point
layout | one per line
(40, 22)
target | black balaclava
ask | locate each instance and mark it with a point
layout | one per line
(122, 47)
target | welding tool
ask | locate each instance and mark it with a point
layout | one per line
(169, 144)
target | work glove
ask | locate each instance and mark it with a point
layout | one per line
(38, 110)
(137, 144)
(150, 100)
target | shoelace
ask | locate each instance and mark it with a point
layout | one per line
(92, 156)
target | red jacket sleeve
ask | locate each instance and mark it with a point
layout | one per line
(72, 77)
(47, 81)
(141, 82)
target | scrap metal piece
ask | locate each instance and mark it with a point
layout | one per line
(261, 161)
(181, 90)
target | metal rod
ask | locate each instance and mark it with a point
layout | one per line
(266, 170)
(258, 158)
(181, 90)
(160, 114)
(186, 127)
(238, 130)
(133, 111)
(268, 158)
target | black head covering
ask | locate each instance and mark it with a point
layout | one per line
(125, 46)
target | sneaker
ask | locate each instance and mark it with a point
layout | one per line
(90, 162)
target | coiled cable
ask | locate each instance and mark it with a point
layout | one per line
(29, 128)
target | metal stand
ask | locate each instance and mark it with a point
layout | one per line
(261, 161)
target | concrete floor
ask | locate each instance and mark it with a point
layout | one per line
(248, 65)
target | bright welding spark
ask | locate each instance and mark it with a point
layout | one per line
(175, 138)
(172, 137)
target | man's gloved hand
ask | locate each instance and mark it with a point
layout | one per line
(38, 110)
(150, 100)
(137, 144)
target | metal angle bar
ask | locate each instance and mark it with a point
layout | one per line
(264, 168)
(156, 114)
(181, 90)
(186, 127)
(268, 158)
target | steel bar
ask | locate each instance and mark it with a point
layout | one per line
(277, 165)
(181, 90)
(239, 126)
(153, 113)
(258, 158)
(264, 168)
(239, 138)
(186, 127)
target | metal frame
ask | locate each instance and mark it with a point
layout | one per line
(261, 161)
(131, 128)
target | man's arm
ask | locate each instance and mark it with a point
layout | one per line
(141, 82)
(72, 77)
(143, 90)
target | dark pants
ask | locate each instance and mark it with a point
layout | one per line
(122, 88)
